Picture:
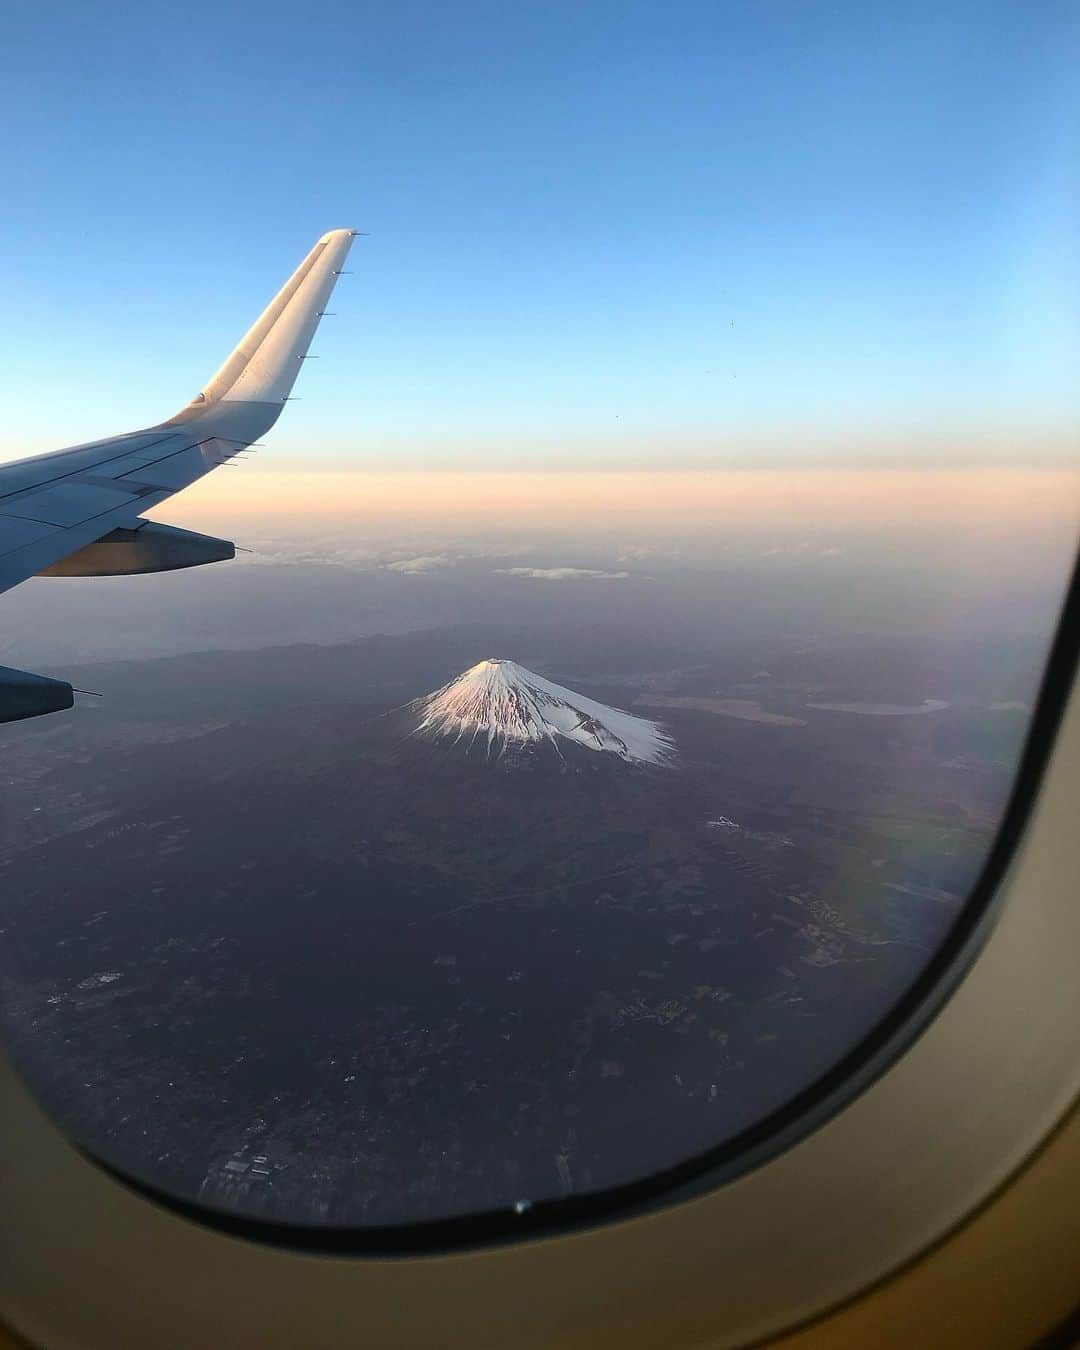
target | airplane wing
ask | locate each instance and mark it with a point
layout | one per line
(78, 512)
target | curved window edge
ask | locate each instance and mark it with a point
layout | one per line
(887, 1041)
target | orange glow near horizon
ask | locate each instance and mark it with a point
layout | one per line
(745, 501)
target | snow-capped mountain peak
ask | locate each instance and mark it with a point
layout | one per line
(497, 703)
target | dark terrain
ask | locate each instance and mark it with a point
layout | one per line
(260, 949)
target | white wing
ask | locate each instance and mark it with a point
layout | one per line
(77, 512)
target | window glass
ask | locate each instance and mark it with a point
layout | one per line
(645, 610)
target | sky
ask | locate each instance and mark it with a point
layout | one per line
(602, 234)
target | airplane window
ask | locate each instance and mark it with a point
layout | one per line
(642, 623)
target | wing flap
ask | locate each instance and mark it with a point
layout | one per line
(17, 533)
(119, 468)
(41, 470)
(179, 470)
(33, 555)
(69, 503)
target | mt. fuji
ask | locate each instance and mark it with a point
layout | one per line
(496, 703)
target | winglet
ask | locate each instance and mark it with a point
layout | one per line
(264, 366)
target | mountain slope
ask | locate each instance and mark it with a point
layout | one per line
(497, 703)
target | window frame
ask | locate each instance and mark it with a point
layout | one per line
(940, 1104)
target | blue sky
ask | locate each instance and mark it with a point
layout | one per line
(602, 233)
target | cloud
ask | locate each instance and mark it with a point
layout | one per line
(645, 552)
(562, 573)
(803, 547)
(290, 552)
(429, 562)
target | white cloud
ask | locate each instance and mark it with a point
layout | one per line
(645, 552)
(562, 573)
(802, 547)
(290, 552)
(429, 562)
